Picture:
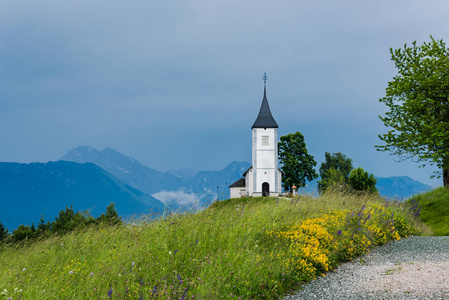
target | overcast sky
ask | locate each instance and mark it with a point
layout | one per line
(178, 84)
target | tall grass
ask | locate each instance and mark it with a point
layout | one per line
(433, 209)
(249, 248)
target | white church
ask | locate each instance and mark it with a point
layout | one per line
(264, 177)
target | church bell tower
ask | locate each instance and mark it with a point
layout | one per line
(266, 176)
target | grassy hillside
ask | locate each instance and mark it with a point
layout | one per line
(434, 209)
(250, 248)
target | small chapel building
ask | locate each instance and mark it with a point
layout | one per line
(263, 178)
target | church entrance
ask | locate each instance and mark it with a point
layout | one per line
(265, 189)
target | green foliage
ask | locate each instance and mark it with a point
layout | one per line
(69, 220)
(43, 227)
(418, 99)
(111, 216)
(433, 209)
(362, 181)
(333, 181)
(223, 250)
(22, 233)
(3, 233)
(297, 164)
(340, 163)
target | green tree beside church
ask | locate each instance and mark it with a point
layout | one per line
(297, 164)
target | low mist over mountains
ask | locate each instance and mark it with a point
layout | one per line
(29, 191)
(91, 179)
(174, 188)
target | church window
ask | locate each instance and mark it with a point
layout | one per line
(265, 140)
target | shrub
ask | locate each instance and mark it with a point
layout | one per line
(111, 216)
(362, 181)
(337, 161)
(23, 232)
(3, 233)
(333, 182)
(69, 220)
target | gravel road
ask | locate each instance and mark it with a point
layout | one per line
(412, 268)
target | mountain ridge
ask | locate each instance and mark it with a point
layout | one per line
(146, 179)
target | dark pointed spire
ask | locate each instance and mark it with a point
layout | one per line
(265, 119)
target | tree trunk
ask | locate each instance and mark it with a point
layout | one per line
(446, 177)
(446, 171)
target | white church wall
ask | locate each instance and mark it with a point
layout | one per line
(264, 159)
(249, 182)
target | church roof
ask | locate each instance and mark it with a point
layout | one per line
(265, 119)
(238, 183)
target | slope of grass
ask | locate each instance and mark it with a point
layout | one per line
(250, 248)
(434, 209)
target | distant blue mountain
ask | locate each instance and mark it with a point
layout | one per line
(400, 187)
(28, 191)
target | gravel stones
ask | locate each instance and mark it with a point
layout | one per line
(412, 268)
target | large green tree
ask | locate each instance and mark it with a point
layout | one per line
(297, 164)
(339, 163)
(418, 102)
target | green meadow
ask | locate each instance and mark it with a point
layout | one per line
(248, 248)
(433, 209)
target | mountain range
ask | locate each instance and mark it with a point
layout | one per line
(91, 179)
(174, 188)
(186, 187)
